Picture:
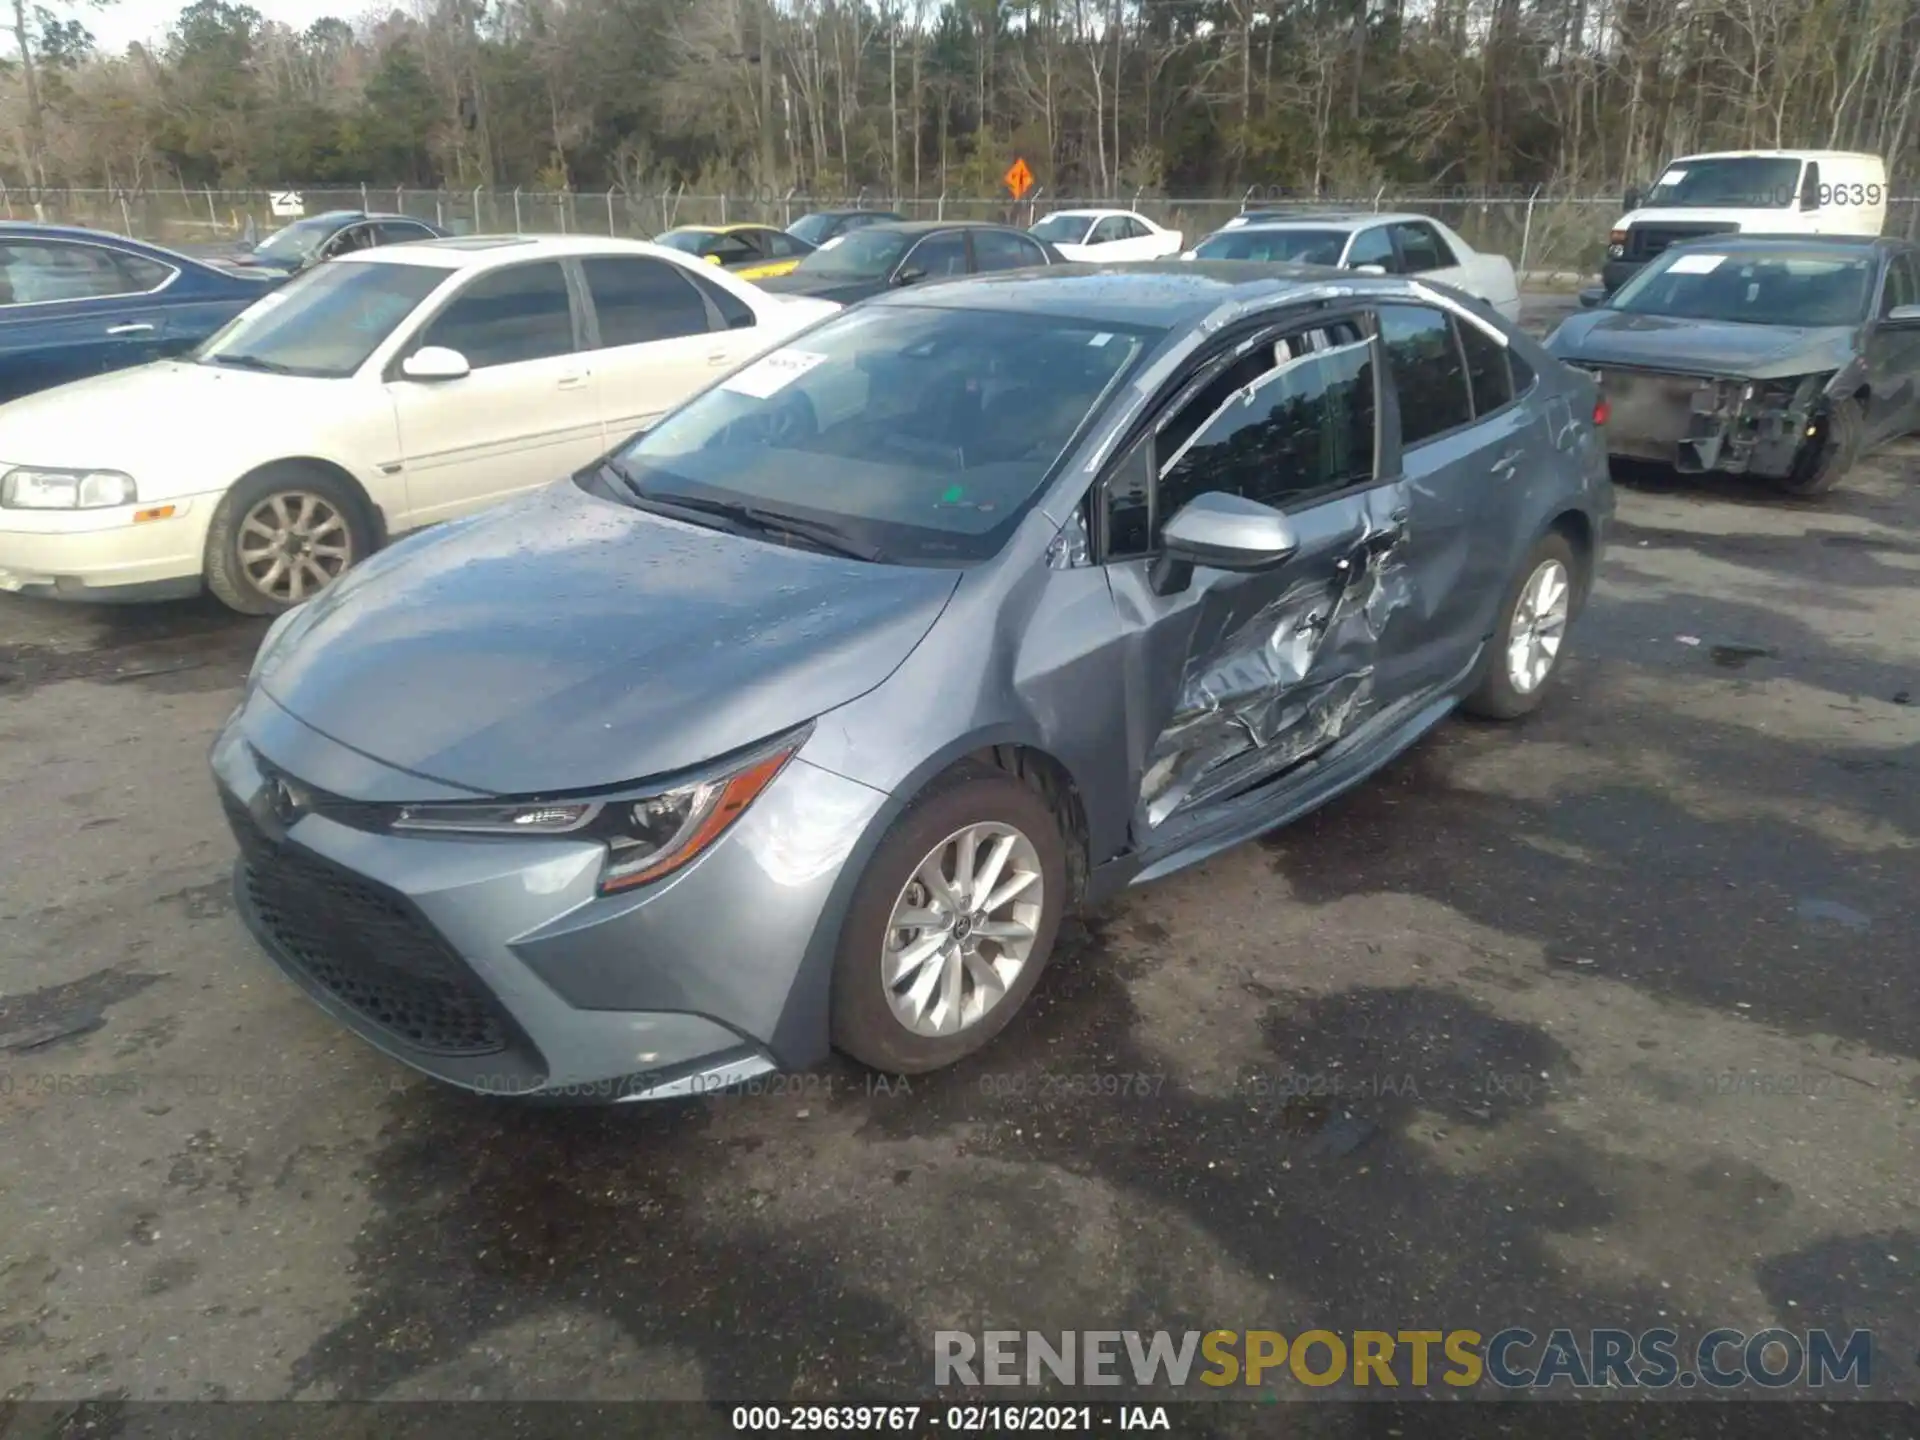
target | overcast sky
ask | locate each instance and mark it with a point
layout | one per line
(119, 25)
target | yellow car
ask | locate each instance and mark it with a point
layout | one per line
(753, 252)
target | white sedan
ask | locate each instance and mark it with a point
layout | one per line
(1107, 235)
(375, 394)
(1364, 240)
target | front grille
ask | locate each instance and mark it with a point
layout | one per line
(365, 946)
(1646, 241)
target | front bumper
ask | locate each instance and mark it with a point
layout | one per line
(1698, 423)
(105, 554)
(494, 964)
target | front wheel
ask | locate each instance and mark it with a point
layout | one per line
(951, 924)
(1830, 453)
(1526, 645)
(281, 536)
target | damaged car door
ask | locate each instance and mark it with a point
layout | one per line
(1244, 667)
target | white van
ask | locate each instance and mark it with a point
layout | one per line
(1759, 192)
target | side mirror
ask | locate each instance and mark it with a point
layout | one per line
(1631, 200)
(1593, 296)
(1903, 317)
(435, 362)
(909, 275)
(1368, 269)
(1222, 532)
(1810, 189)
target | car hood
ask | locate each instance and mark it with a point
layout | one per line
(1660, 342)
(822, 287)
(111, 421)
(564, 642)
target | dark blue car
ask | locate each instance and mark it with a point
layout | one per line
(305, 242)
(75, 303)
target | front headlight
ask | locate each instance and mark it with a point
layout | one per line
(647, 835)
(27, 488)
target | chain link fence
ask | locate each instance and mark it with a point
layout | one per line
(1548, 236)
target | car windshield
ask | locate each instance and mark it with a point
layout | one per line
(1306, 247)
(298, 240)
(865, 254)
(688, 242)
(1744, 182)
(1766, 287)
(1063, 229)
(323, 323)
(914, 435)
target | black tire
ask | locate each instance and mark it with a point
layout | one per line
(1828, 457)
(226, 565)
(864, 1024)
(1495, 696)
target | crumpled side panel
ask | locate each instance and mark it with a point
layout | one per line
(1279, 686)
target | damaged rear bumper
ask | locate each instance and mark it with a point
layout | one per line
(1698, 423)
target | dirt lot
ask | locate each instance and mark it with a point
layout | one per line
(1607, 1018)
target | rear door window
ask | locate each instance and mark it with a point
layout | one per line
(638, 299)
(940, 256)
(1421, 247)
(1002, 250)
(1428, 371)
(1373, 246)
(1488, 377)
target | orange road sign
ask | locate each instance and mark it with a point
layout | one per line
(1018, 179)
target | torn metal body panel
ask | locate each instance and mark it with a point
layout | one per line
(1261, 692)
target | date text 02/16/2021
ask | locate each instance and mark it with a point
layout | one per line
(954, 1419)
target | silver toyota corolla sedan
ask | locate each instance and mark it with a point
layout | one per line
(801, 720)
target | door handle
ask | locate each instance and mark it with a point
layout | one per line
(138, 327)
(718, 357)
(572, 382)
(1507, 464)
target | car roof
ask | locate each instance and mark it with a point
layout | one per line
(718, 229)
(924, 227)
(857, 210)
(482, 252)
(1320, 219)
(1734, 241)
(41, 230)
(1088, 214)
(1776, 155)
(1166, 293)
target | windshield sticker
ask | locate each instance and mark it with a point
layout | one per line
(1673, 177)
(772, 373)
(1102, 338)
(1695, 264)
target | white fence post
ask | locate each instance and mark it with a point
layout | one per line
(1526, 236)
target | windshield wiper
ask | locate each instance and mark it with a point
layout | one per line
(751, 519)
(771, 522)
(249, 362)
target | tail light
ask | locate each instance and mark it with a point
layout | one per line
(1616, 237)
(1601, 411)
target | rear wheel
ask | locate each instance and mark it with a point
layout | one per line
(1830, 453)
(1526, 646)
(283, 535)
(951, 924)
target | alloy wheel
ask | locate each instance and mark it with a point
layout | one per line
(293, 544)
(962, 929)
(1539, 626)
